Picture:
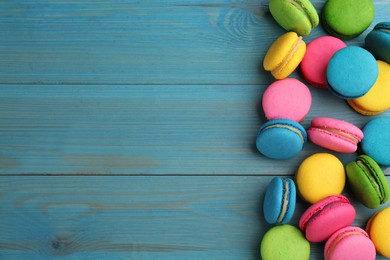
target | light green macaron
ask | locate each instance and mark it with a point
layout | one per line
(284, 242)
(298, 16)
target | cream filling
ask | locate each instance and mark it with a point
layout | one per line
(285, 202)
(339, 238)
(339, 132)
(371, 176)
(289, 128)
(288, 57)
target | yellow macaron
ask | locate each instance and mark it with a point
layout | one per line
(284, 55)
(377, 99)
(319, 176)
(378, 228)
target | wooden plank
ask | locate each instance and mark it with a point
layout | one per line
(137, 217)
(140, 42)
(175, 129)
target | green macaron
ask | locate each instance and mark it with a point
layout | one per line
(367, 181)
(347, 19)
(298, 16)
(284, 242)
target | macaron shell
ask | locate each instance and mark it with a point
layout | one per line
(363, 186)
(284, 242)
(377, 99)
(347, 18)
(351, 72)
(319, 176)
(316, 59)
(349, 243)
(323, 218)
(273, 200)
(287, 98)
(376, 141)
(284, 49)
(278, 198)
(378, 42)
(378, 229)
(292, 18)
(280, 139)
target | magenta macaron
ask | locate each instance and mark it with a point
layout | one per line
(334, 134)
(325, 217)
(349, 243)
(287, 98)
(316, 59)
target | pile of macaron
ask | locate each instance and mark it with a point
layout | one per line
(361, 77)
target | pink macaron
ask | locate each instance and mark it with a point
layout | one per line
(288, 99)
(349, 243)
(334, 134)
(316, 59)
(325, 217)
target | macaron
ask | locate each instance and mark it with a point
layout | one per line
(319, 176)
(378, 228)
(367, 181)
(284, 55)
(279, 201)
(281, 139)
(286, 98)
(349, 243)
(377, 99)
(334, 134)
(347, 19)
(376, 142)
(318, 53)
(298, 16)
(378, 41)
(325, 217)
(351, 72)
(284, 242)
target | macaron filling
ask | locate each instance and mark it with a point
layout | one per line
(339, 238)
(384, 30)
(370, 173)
(291, 128)
(300, 8)
(288, 57)
(341, 133)
(286, 192)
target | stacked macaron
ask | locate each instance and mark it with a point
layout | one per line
(285, 102)
(361, 77)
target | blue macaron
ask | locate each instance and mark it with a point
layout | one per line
(279, 201)
(281, 139)
(376, 141)
(378, 41)
(351, 72)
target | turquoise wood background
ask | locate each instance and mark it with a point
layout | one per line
(127, 128)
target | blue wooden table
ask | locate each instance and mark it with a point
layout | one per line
(127, 128)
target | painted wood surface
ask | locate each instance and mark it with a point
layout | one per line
(159, 130)
(138, 42)
(127, 128)
(186, 217)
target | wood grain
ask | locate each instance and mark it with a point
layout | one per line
(127, 128)
(137, 217)
(140, 42)
(162, 130)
